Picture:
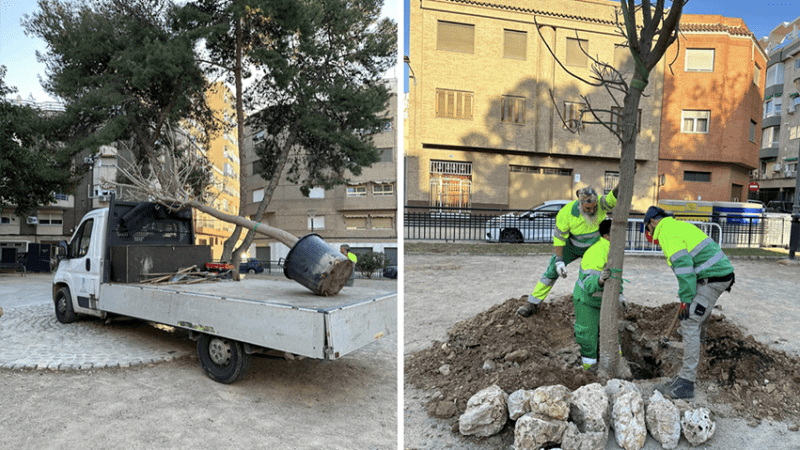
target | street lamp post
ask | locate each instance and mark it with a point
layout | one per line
(794, 236)
(311, 214)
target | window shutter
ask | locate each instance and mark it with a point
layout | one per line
(455, 37)
(515, 44)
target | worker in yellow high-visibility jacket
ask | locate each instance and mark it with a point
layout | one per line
(704, 273)
(345, 249)
(587, 297)
(576, 230)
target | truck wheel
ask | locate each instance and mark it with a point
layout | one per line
(251, 271)
(223, 360)
(63, 303)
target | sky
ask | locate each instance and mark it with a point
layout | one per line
(18, 51)
(760, 18)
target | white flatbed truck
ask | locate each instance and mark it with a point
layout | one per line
(112, 247)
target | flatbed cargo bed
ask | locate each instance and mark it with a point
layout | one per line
(279, 315)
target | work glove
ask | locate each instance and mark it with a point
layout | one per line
(561, 269)
(605, 275)
(684, 312)
(623, 302)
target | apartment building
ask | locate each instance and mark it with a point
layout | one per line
(223, 154)
(362, 213)
(777, 170)
(484, 129)
(711, 113)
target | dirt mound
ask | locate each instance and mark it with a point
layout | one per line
(499, 347)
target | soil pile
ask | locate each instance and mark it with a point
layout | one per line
(499, 347)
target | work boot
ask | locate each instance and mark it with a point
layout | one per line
(679, 388)
(528, 310)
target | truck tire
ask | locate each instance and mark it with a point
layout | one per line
(63, 304)
(251, 271)
(223, 360)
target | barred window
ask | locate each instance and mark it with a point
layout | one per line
(512, 109)
(454, 104)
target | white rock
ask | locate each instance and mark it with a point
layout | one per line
(573, 439)
(698, 426)
(488, 365)
(445, 369)
(617, 387)
(589, 408)
(486, 413)
(534, 431)
(627, 419)
(663, 421)
(519, 403)
(551, 401)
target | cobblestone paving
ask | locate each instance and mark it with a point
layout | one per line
(32, 338)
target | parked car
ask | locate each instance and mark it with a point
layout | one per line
(534, 225)
(390, 272)
(781, 206)
(251, 266)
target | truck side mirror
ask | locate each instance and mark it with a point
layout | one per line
(62, 250)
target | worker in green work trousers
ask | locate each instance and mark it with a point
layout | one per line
(704, 273)
(588, 296)
(576, 230)
(345, 249)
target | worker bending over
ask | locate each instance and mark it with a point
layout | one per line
(576, 230)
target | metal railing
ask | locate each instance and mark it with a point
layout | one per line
(505, 225)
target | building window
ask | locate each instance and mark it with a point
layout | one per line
(572, 113)
(382, 189)
(797, 64)
(772, 107)
(610, 182)
(50, 219)
(577, 51)
(512, 109)
(616, 119)
(258, 137)
(316, 192)
(540, 170)
(6, 218)
(356, 223)
(382, 223)
(794, 132)
(451, 184)
(695, 121)
(258, 195)
(387, 155)
(775, 75)
(514, 44)
(770, 137)
(454, 104)
(455, 37)
(699, 60)
(756, 75)
(357, 191)
(315, 223)
(61, 196)
(697, 176)
(752, 131)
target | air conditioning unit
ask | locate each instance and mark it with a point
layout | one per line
(776, 167)
(32, 220)
(790, 109)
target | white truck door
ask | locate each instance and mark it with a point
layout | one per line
(84, 264)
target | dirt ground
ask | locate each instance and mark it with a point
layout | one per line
(750, 385)
(300, 404)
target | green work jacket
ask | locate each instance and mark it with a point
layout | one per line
(587, 289)
(691, 254)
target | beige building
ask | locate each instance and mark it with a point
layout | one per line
(483, 129)
(362, 213)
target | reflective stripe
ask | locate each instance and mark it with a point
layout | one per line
(683, 270)
(563, 235)
(591, 235)
(579, 243)
(590, 361)
(548, 281)
(604, 203)
(695, 251)
(591, 272)
(678, 255)
(711, 261)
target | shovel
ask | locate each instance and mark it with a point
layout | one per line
(665, 338)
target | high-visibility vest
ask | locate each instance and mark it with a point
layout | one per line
(571, 225)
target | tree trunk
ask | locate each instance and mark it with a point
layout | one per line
(609, 360)
(276, 233)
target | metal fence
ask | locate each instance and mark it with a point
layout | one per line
(507, 225)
